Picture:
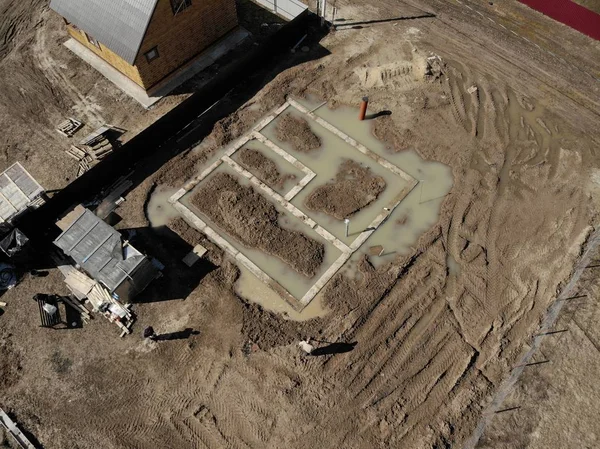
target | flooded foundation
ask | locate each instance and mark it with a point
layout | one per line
(406, 203)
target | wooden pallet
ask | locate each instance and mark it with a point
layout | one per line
(76, 152)
(69, 127)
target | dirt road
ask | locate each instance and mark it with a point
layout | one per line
(437, 330)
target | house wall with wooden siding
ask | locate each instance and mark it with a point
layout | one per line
(108, 55)
(183, 36)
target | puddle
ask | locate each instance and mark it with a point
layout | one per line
(418, 212)
(293, 282)
(159, 211)
(283, 166)
(251, 288)
(453, 266)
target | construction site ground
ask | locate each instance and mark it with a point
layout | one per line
(437, 331)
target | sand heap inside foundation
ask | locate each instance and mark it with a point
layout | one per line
(353, 188)
(254, 221)
(297, 132)
(264, 167)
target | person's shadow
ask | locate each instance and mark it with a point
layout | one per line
(179, 335)
(333, 348)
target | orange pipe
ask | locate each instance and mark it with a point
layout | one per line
(363, 108)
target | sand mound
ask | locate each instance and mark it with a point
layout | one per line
(264, 167)
(254, 221)
(353, 188)
(296, 131)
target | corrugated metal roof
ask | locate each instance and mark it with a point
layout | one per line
(17, 190)
(97, 248)
(118, 24)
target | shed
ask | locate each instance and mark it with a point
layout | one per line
(100, 251)
(18, 190)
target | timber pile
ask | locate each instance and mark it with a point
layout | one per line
(95, 147)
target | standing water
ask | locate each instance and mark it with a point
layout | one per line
(419, 210)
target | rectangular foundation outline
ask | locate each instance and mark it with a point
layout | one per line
(284, 201)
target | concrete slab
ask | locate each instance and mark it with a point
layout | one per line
(148, 99)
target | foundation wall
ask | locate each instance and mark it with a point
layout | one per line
(107, 54)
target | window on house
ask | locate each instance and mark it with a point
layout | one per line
(180, 5)
(152, 54)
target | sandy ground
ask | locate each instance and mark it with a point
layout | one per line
(554, 404)
(42, 83)
(296, 131)
(264, 167)
(353, 188)
(433, 343)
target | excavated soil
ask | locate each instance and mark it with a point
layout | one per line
(297, 132)
(353, 188)
(254, 221)
(264, 167)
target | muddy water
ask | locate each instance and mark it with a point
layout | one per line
(159, 211)
(251, 288)
(293, 282)
(325, 162)
(284, 167)
(418, 212)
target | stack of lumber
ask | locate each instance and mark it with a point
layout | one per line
(83, 287)
(93, 148)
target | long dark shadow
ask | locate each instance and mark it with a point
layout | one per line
(334, 348)
(553, 332)
(374, 22)
(508, 409)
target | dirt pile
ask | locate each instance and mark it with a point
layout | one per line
(296, 131)
(353, 188)
(254, 221)
(264, 167)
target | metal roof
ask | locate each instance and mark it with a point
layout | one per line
(97, 248)
(17, 190)
(118, 24)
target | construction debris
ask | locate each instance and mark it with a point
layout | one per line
(69, 127)
(13, 242)
(8, 276)
(194, 255)
(306, 346)
(14, 431)
(95, 147)
(84, 288)
(435, 67)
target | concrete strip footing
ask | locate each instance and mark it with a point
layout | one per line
(360, 147)
(284, 201)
